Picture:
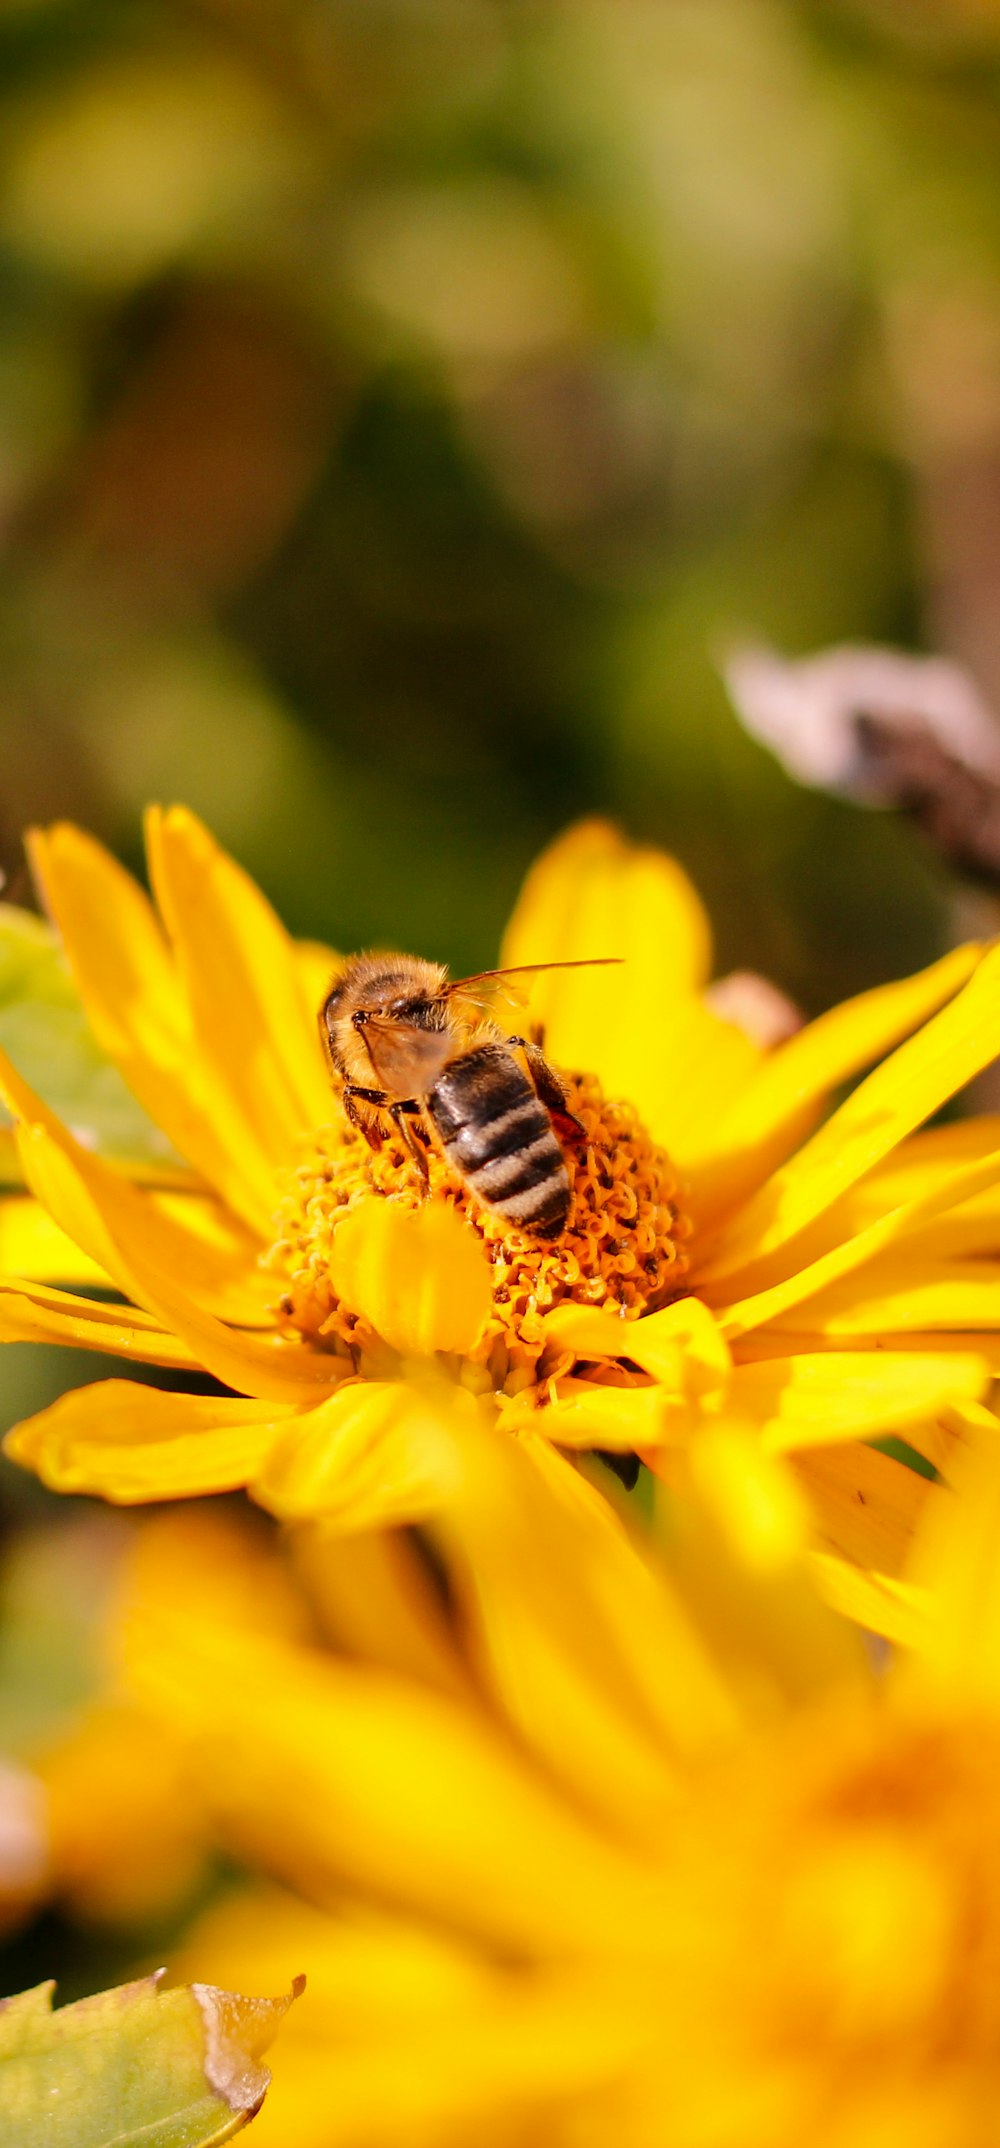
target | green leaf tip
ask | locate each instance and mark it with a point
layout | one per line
(135, 2065)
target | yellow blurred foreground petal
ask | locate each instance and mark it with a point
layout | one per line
(585, 1646)
(406, 2034)
(383, 1784)
(376, 1453)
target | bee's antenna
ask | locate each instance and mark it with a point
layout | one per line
(531, 969)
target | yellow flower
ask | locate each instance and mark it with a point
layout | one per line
(735, 1248)
(621, 1851)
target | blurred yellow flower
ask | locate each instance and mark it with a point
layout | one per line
(735, 1249)
(586, 1848)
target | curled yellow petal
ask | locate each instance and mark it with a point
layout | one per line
(624, 1420)
(682, 1346)
(418, 1275)
(118, 1440)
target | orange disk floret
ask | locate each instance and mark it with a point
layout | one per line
(622, 1246)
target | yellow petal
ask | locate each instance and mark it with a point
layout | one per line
(317, 966)
(769, 1112)
(772, 1342)
(374, 1598)
(134, 1001)
(865, 1506)
(427, 2039)
(189, 1236)
(101, 1211)
(583, 1644)
(700, 1063)
(920, 1076)
(219, 1257)
(120, 1441)
(918, 1166)
(10, 1162)
(217, 1266)
(682, 1346)
(147, 1255)
(418, 1275)
(214, 1554)
(816, 1399)
(36, 1312)
(363, 1765)
(897, 1292)
(376, 1454)
(33, 1246)
(923, 1180)
(809, 1277)
(589, 887)
(752, 1495)
(620, 1420)
(642, 1026)
(881, 1604)
(736, 1527)
(243, 980)
(956, 1563)
(127, 1840)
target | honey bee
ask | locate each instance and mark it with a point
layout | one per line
(413, 1047)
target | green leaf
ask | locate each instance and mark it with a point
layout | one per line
(136, 2067)
(45, 1031)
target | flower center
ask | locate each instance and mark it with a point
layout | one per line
(622, 1246)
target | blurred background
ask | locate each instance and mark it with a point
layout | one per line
(403, 403)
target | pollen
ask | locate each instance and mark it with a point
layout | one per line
(622, 1248)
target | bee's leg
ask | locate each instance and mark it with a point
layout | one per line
(549, 1088)
(368, 1127)
(398, 1115)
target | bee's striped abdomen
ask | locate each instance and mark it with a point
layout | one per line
(498, 1137)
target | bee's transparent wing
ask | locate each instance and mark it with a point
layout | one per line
(486, 987)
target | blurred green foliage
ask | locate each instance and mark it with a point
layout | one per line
(404, 400)
(402, 403)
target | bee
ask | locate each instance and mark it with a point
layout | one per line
(413, 1047)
